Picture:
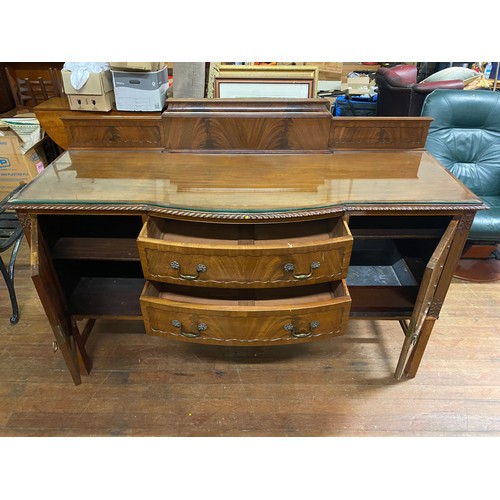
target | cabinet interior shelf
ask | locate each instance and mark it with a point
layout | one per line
(121, 249)
(377, 233)
(395, 302)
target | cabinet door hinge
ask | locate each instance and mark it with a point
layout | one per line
(60, 336)
(435, 308)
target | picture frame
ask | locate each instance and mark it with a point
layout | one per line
(281, 81)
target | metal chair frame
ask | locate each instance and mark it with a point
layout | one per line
(11, 235)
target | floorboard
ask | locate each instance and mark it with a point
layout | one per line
(147, 386)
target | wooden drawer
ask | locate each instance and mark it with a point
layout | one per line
(246, 317)
(245, 255)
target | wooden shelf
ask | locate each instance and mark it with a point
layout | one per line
(392, 302)
(396, 233)
(123, 249)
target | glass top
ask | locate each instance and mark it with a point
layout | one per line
(244, 182)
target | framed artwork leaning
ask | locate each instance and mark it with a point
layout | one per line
(281, 81)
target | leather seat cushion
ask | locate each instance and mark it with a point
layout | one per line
(453, 73)
(471, 155)
(486, 225)
(465, 136)
(428, 87)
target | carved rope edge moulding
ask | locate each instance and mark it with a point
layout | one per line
(200, 214)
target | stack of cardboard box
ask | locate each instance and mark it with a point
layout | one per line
(18, 164)
(126, 86)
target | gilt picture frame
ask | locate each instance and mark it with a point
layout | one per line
(235, 81)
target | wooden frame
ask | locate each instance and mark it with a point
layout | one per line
(233, 81)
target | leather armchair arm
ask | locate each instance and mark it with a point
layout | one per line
(428, 87)
(397, 76)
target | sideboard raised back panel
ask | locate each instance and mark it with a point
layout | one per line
(378, 133)
(114, 132)
(244, 125)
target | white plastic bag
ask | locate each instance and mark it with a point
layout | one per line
(80, 71)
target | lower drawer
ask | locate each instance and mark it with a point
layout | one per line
(246, 317)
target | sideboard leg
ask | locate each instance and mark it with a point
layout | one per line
(84, 358)
(403, 356)
(417, 353)
(68, 350)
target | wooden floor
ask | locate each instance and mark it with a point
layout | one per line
(145, 386)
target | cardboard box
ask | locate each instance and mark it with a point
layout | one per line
(358, 85)
(328, 70)
(140, 91)
(138, 66)
(15, 167)
(27, 127)
(359, 81)
(96, 95)
(189, 80)
(104, 102)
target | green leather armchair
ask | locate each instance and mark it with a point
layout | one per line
(465, 137)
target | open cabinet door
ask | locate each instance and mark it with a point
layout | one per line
(52, 299)
(425, 295)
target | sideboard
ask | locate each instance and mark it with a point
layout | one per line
(244, 222)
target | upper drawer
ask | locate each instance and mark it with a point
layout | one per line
(245, 255)
(246, 317)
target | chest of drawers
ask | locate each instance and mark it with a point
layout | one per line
(238, 284)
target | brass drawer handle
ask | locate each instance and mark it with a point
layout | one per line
(201, 327)
(290, 268)
(298, 334)
(200, 268)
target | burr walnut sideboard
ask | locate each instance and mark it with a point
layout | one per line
(244, 222)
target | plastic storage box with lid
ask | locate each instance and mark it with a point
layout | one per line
(140, 91)
(137, 66)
